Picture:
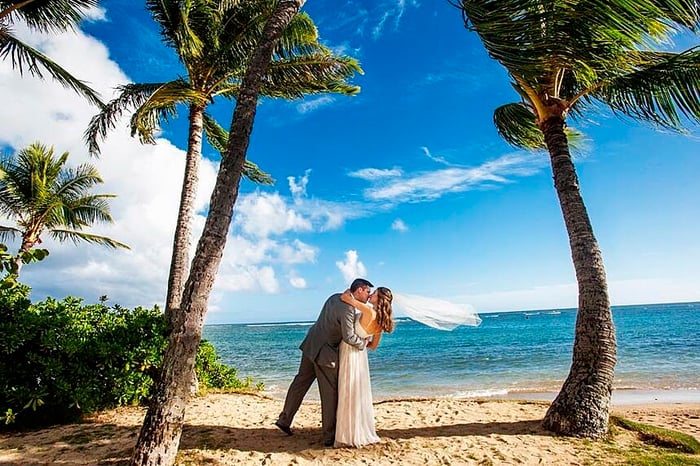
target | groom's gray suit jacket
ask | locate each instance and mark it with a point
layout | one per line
(336, 322)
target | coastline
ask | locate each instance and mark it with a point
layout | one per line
(223, 429)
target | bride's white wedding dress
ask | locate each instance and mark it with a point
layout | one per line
(355, 415)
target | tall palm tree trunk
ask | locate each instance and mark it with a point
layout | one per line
(160, 434)
(183, 229)
(582, 406)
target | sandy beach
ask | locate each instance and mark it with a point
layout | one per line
(238, 429)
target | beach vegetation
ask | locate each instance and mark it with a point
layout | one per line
(659, 436)
(41, 195)
(214, 376)
(567, 61)
(42, 16)
(8, 264)
(62, 359)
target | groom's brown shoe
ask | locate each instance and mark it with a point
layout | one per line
(286, 429)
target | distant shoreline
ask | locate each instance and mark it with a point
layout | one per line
(303, 322)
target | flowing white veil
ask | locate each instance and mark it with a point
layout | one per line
(436, 313)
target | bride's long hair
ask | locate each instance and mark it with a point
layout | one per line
(383, 309)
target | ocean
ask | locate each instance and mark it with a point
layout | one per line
(508, 355)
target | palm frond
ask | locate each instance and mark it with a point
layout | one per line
(47, 15)
(516, 124)
(218, 138)
(160, 106)
(78, 236)
(310, 74)
(299, 38)
(9, 233)
(130, 96)
(535, 39)
(24, 57)
(663, 88)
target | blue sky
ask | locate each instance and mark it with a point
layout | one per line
(407, 183)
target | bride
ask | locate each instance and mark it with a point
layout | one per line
(355, 413)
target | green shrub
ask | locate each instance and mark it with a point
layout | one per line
(213, 375)
(61, 359)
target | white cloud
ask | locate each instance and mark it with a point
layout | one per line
(313, 104)
(429, 185)
(376, 173)
(297, 282)
(351, 267)
(95, 14)
(265, 214)
(298, 188)
(432, 157)
(395, 9)
(399, 225)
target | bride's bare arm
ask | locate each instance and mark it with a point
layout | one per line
(367, 312)
(374, 342)
(348, 298)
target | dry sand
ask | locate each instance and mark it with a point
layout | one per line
(238, 429)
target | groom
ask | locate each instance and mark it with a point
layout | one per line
(320, 359)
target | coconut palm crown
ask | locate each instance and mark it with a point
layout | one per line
(41, 195)
(214, 40)
(43, 16)
(567, 59)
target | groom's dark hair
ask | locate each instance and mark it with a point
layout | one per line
(358, 283)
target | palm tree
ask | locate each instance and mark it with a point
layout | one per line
(160, 434)
(41, 195)
(566, 59)
(42, 16)
(214, 39)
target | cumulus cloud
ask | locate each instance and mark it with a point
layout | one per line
(351, 267)
(147, 180)
(297, 282)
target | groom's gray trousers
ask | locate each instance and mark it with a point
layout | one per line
(328, 388)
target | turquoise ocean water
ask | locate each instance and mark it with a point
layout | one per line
(509, 353)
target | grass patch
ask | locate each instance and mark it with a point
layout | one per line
(661, 458)
(659, 436)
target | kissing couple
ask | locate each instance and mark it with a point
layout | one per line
(334, 353)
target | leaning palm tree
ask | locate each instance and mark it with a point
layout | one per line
(565, 59)
(42, 16)
(160, 434)
(214, 39)
(42, 196)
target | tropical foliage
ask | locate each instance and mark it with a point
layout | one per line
(568, 59)
(41, 195)
(62, 359)
(214, 40)
(43, 16)
(9, 264)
